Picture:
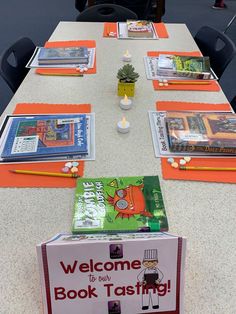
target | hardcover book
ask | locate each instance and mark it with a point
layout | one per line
(65, 55)
(184, 66)
(140, 28)
(45, 136)
(130, 273)
(124, 204)
(207, 132)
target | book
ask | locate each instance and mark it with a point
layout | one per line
(124, 204)
(126, 273)
(208, 132)
(67, 55)
(160, 140)
(29, 137)
(139, 28)
(184, 66)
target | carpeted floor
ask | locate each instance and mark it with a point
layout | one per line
(37, 19)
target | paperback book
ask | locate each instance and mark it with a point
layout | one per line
(160, 140)
(136, 30)
(65, 55)
(34, 62)
(151, 69)
(128, 273)
(29, 137)
(206, 132)
(124, 204)
(184, 66)
(140, 28)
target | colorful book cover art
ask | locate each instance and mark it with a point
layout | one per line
(140, 28)
(119, 204)
(45, 135)
(185, 66)
(202, 131)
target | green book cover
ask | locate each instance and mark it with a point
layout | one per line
(119, 204)
(184, 66)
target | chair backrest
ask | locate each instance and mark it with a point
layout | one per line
(106, 13)
(80, 5)
(13, 61)
(140, 7)
(218, 46)
(233, 103)
(145, 9)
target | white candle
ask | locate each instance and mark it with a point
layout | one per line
(123, 126)
(126, 103)
(127, 56)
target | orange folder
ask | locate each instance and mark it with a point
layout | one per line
(170, 173)
(212, 87)
(72, 43)
(160, 29)
(8, 179)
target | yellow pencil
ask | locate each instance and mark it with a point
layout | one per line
(207, 168)
(62, 74)
(49, 174)
(188, 83)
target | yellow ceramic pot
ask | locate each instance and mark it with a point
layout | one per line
(126, 89)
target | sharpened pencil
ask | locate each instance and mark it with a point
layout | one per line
(49, 174)
(188, 83)
(62, 74)
(207, 168)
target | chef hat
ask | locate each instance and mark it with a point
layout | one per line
(150, 255)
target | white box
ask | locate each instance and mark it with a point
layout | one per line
(130, 273)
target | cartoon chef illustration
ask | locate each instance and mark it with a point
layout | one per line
(150, 277)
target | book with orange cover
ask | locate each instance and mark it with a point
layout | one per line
(206, 132)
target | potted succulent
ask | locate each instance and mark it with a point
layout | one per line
(127, 78)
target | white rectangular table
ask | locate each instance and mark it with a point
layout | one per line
(202, 212)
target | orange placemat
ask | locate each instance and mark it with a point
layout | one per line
(161, 30)
(191, 106)
(212, 87)
(110, 30)
(170, 173)
(72, 43)
(8, 179)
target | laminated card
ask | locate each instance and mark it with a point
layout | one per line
(129, 273)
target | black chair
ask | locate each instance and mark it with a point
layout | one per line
(80, 5)
(218, 46)
(106, 13)
(145, 9)
(13, 61)
(233, 103)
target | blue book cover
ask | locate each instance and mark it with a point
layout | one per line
(45, 136)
